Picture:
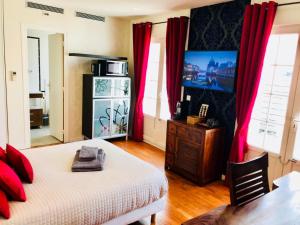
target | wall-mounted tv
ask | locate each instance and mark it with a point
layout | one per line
(213, 70)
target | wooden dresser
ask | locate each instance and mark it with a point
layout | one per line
(195, 152)
(36, 112)
(36, 117)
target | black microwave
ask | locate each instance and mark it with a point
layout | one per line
(110, 68)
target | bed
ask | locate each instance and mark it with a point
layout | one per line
(128, 189)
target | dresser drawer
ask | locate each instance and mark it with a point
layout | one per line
(187, 156)
(190, 134)
(171, 143)
(36, 112)
(36, 117)
(172, 128)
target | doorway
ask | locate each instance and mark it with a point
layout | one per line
(45, 51)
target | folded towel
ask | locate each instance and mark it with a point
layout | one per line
(88, 153)
(93, 165)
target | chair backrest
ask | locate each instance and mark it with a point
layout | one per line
(248, 180)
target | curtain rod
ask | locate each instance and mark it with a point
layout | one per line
(282, 4)
(289, 3)
(159, 23)
(162, 22)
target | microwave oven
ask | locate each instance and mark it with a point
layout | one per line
(110, 68)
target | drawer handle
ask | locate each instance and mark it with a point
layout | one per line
(31, 121)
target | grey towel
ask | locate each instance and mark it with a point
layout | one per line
(93, 165)
(88, 153)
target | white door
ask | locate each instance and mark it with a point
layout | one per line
(273, 125)
(56, 77)
(33, 64)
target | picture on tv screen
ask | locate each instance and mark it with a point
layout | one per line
(213, 70)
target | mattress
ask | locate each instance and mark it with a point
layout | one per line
(58, 196)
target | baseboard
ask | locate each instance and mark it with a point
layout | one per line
(151, 141)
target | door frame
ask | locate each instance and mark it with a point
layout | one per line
(39, 60)
(3, 91)
(24, 29)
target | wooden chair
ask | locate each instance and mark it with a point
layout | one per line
(248, 180)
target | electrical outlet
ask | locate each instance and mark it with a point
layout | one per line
(188, 98)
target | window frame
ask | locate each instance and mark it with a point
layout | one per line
(285, 149)
(162, 67)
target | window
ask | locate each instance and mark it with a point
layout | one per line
(164, 109)
(150, 97)
(271, 105)
(155, 101)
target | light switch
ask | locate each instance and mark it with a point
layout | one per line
(188, 98)
(13, 75)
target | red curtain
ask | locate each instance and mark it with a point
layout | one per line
(175, 45)
(141, 44)
(258, 21)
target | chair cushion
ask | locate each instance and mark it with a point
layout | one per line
(2, 155)
(19, 163)
(4, 206)
(10, 183)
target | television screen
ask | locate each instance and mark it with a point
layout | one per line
(213, 70)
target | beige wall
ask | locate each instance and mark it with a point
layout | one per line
(160, 29)
(285, 15)
(3, 125)
(81, 35)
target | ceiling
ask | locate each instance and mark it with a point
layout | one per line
(128, 7)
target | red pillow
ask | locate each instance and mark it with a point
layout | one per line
(2, 155)
(4, 207)
(10, 183)
(19, 163)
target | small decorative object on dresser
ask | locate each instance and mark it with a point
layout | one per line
(194, 151)
(192, 120)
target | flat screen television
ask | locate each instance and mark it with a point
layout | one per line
(213, 70)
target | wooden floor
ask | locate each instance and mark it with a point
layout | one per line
(185, 200)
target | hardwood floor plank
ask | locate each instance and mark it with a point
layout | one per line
(185, 200)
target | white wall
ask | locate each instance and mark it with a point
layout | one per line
(81, 35)
(3, 125)
(155, 130)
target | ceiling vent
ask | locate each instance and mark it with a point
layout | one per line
(90, 16)
(45, 7)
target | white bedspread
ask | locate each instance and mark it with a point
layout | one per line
(61, 197)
